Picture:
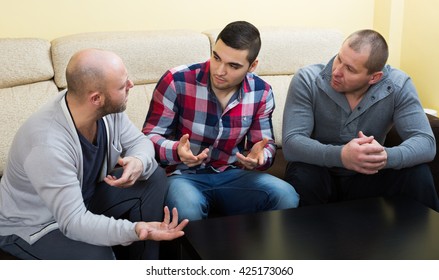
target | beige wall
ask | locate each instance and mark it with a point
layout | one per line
(388, 20)
(410, 26)
(419, 50)
(53, 18)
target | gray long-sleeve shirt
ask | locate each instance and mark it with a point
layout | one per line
(318, 121)
(41, 187)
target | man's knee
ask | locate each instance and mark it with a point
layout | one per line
(284, 194)
(190, 203)
(187, 209)
(415, 182)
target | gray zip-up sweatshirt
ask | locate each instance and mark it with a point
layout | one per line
(318, 121)
(41, 187)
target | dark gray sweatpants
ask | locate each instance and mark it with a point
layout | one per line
(144, 201)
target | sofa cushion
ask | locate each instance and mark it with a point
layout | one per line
(138, 103)
(285, 50)
(24, 61)
(279, 84)
(146, 54)
(393, 139)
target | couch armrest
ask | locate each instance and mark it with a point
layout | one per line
(393, 139)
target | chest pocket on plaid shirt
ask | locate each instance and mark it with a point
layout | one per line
(236, 127)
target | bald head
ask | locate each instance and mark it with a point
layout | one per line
(88, 70)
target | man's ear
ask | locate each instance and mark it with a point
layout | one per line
(95, 98)
(376, 77)
(253, 65)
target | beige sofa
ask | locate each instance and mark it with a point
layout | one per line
(32, 70)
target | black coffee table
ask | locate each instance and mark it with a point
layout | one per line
(374, 228)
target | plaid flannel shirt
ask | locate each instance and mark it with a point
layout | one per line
(183, 103)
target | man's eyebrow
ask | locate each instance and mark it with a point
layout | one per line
(347, 65)
(236, 64)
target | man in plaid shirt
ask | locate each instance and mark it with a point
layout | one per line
(211, 127)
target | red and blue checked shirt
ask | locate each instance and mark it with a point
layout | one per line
(184, 104)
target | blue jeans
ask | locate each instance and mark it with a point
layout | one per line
(234, 191)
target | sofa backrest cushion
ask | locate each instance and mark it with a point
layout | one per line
(24, 61)
(146, 54)
(286, 49)
(26, 83)
(18, 104)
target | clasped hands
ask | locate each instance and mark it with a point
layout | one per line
(364, 155)
(250, 161)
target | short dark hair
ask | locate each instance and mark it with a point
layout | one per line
(379, 51)
(242, 35)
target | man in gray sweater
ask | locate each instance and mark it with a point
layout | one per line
(336, 119)
(60, 196)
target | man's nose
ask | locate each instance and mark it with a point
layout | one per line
(337, 71)
(130, 84)
(222, 69)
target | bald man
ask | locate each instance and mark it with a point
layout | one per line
(81, 178)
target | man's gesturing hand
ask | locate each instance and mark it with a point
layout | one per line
(186, 155)
(132, 169)
(256, 156)
(166, 230)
